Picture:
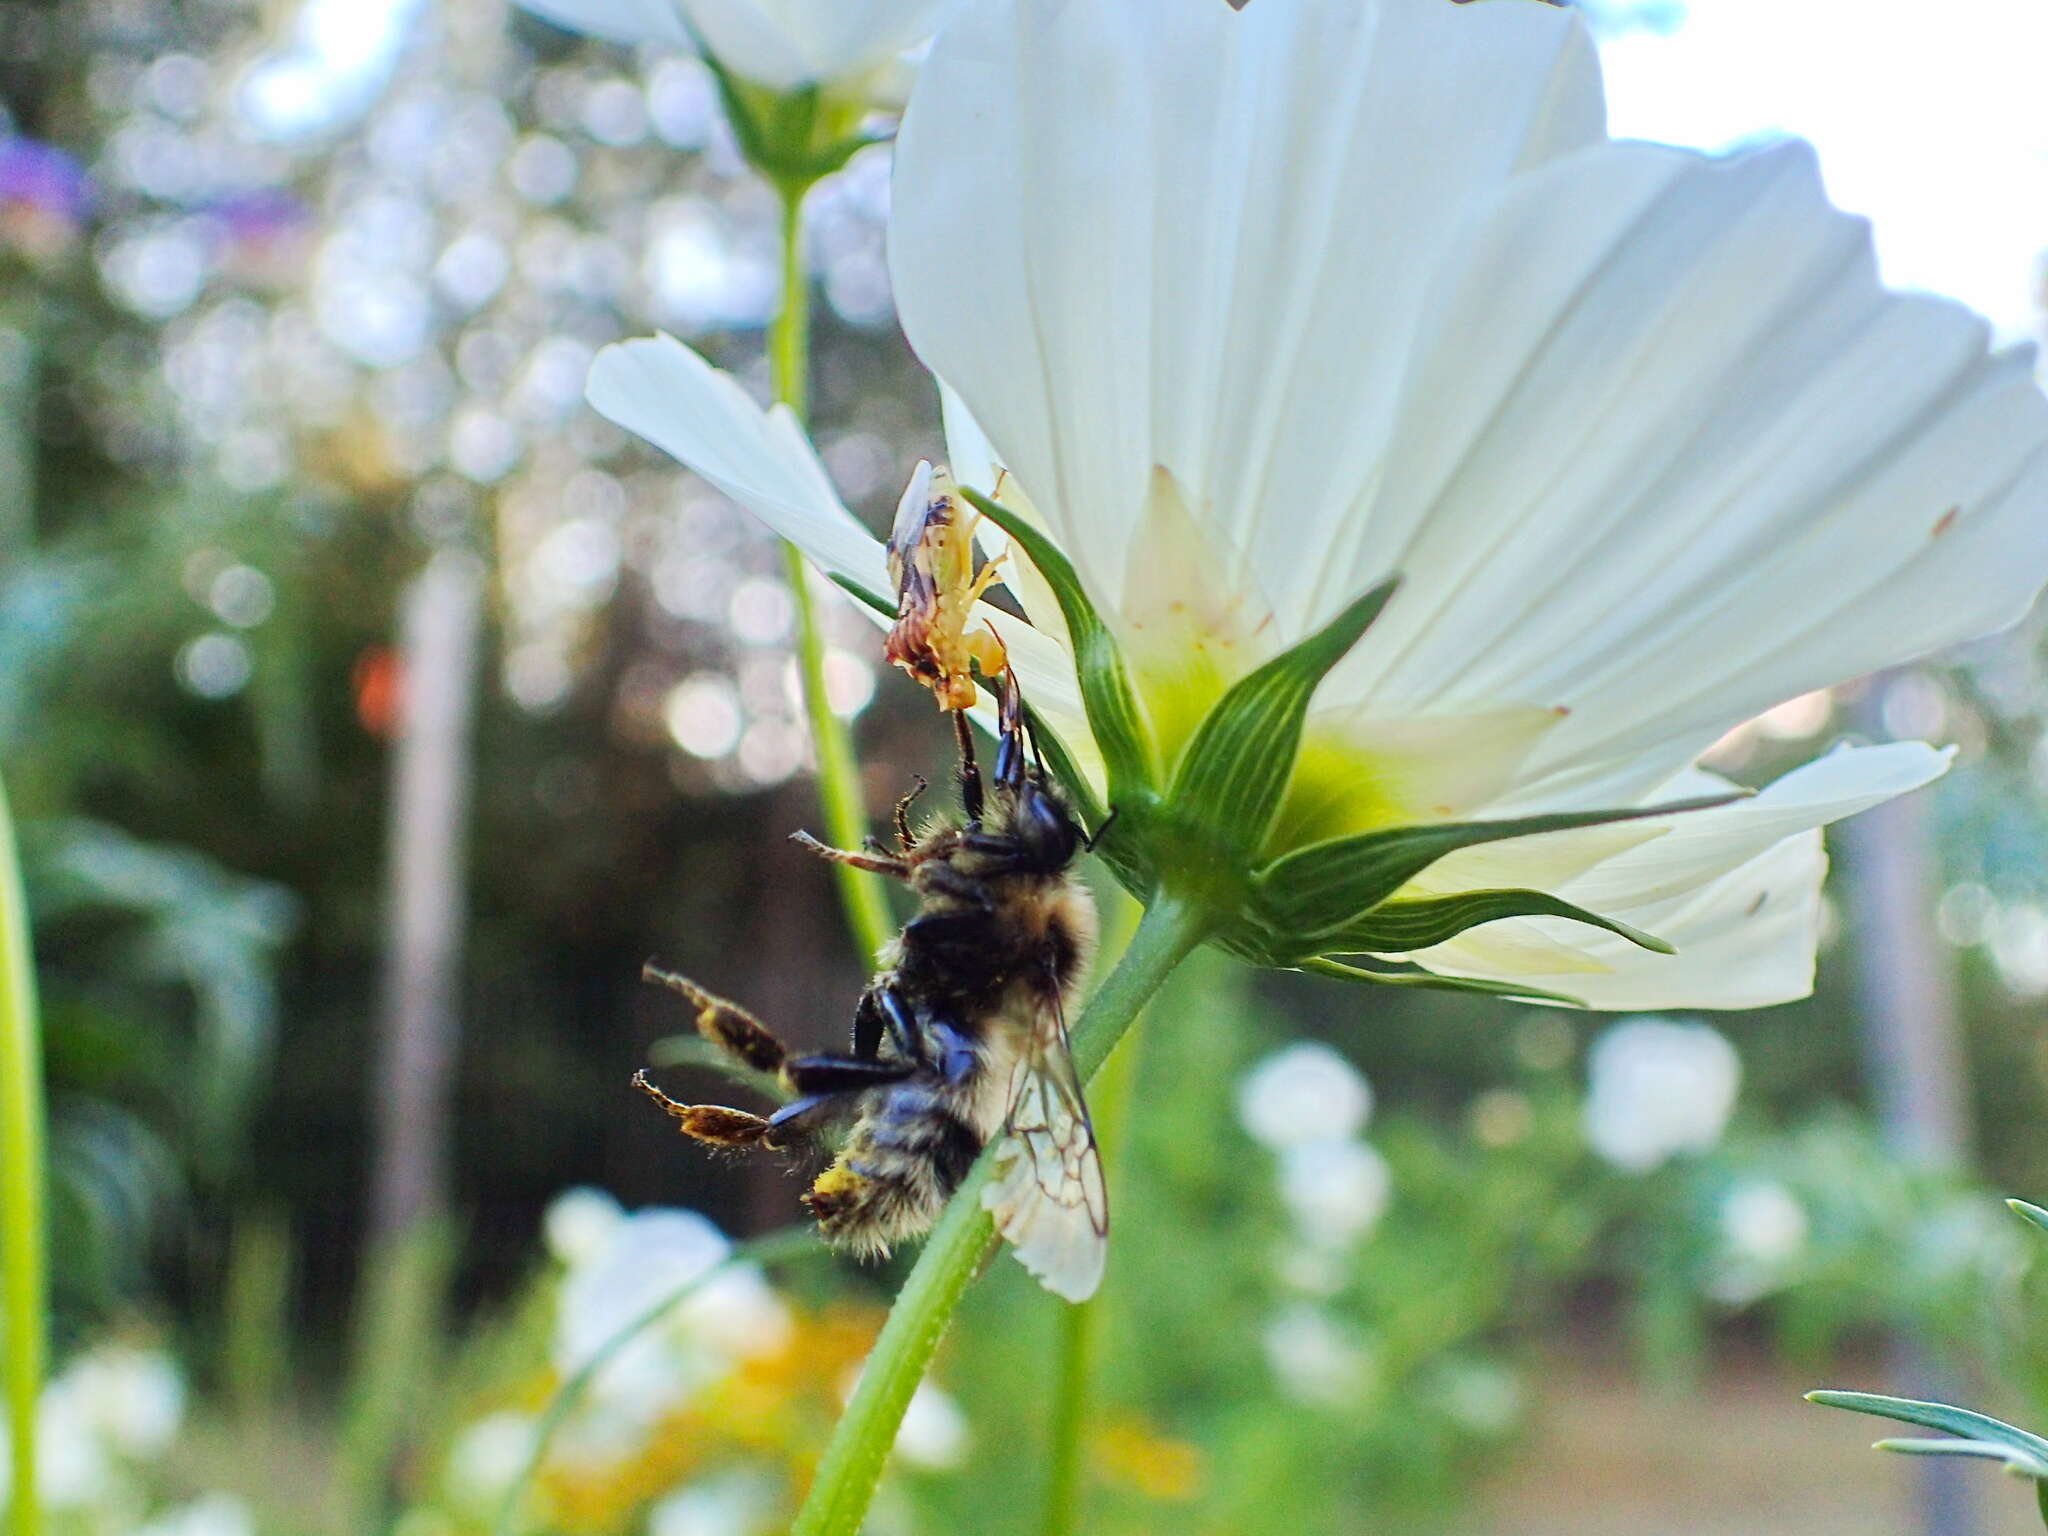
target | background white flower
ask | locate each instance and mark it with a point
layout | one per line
(1764, 1229)
(1315, 1357)
(486, 1457)
(1336, 1191)
(733, 1505)
(580, 1224)
(135, 1398)
(1258, 308)
(652, 1254)
(933, 1435)
(1657, 1088)
(1303, 1092)
(783, 44)
(213, 1514)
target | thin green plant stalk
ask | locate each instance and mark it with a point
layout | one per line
(852, 1464)
(24, 1275)
(1079, 1326)
(839, 783)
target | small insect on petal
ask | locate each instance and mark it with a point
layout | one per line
(931, 559)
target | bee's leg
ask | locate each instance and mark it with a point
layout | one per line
(902, 1026)
(1010, 752)
(873, 863)
(1101, 830)
(882, 1008)
(807, 1117)
(957, 1057)
(726, 1025)
(904, 841)
(944, 880)
(969, 772)
(712, 1123)
(816, 1075)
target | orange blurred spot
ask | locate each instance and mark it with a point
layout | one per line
(378, 680)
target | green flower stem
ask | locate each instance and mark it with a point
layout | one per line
(852, 1464)
(839, 783)
(789, 334)
(23, 1236)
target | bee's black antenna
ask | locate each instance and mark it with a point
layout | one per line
(969, 771)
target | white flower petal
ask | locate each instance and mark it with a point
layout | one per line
(657, 387)
(1746, 941)
(1735, 890)
(1198, 239)
(782, 44)
(633, 22)
(1672, 455)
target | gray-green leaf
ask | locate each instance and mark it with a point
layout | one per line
(2017, 1462)
(1324, 888)
(1962, 1422)
(1394, 927)
(1429, 981)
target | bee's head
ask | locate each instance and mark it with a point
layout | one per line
(1036, 814)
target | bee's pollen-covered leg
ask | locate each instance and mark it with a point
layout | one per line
(834, 1193)
(711, 1123)
(726, 1025)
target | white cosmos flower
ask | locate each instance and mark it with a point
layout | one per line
(1656, 1088)
(1259, 307)
(1304, 1092)
(782, 44)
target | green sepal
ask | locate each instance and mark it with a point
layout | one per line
(1429, 981)
(1115, 718)
(1962, 1422)
(874, 600)
(1326, 887)
(2017, 1462)
(1395, 926)
(794, 138)
(1234, 772)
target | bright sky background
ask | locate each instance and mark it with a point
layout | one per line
(1931, 118)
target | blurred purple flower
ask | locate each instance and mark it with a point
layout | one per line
(40, 178)
(261, 216)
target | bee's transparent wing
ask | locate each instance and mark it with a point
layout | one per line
(1048, 1195)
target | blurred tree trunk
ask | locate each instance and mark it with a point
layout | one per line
(1913, 1057)
(425, 870)
(399, 1295)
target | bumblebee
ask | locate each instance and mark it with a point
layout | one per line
(960, 1037)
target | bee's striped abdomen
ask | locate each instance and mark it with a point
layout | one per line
(907, 1153)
